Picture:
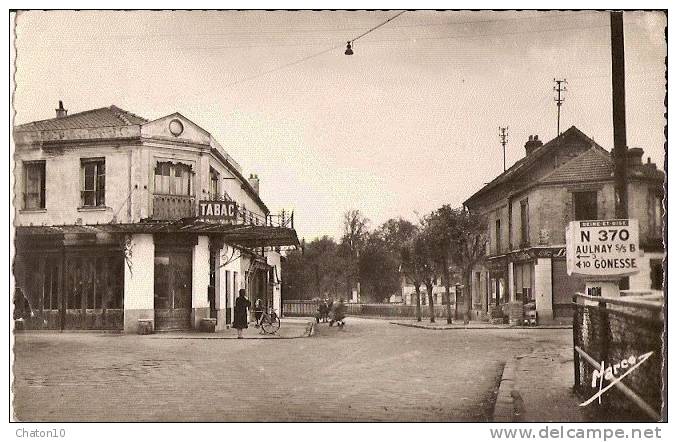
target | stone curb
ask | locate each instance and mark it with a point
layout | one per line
(509, 405)
(504, 409)
(488, 327)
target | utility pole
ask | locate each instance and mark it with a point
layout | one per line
(503, 135)
(618, 93)
(560, 99)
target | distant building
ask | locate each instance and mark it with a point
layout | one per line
(120, 219)
(408, 295)
(529, 206)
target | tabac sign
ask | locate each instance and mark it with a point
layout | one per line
(218, 210)
(603, 248)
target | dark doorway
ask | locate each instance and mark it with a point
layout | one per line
(211, 295)
(173, 290)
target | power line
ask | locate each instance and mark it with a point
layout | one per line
(313, 55)
(349, 49)
(374, 41)
(411, 39)
(377, 26)
(282, 67)
(278, 32)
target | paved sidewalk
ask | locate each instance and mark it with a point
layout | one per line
(441, 324)
(537, 387)
(290, 328)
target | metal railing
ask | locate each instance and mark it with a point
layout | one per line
(310, 307)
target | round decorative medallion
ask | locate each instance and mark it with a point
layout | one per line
(176, 127)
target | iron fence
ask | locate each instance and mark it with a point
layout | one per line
(310, 307)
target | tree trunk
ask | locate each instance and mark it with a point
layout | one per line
(447, 294)
(467, 295)
(431, 304)
(417, 287)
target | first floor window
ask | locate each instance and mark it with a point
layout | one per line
(585, 205)
(93, 180)
(524, 220)
(655, 215)
(498, 236)
(173, 179)
(213, 184)
(34, 185)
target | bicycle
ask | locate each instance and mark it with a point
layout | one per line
(270, 322)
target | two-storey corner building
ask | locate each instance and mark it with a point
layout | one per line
(529, 206)
(120, 219)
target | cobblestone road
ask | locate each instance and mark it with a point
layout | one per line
(370, 371)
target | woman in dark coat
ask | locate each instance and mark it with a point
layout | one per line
(241, 321)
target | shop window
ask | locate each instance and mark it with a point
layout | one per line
(173, 179)
(656, 274)
(93, 182)
(94, 282)
(524, 218)
(74, 279)
(585, 205)
(34, 185)
(214, 185)
(50, 285)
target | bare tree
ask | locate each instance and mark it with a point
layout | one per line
(468, 248)
(355, 230)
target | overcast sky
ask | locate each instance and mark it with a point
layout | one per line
(406, 124)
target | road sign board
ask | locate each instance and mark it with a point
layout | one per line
(603, 247)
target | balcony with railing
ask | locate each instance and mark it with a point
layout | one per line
(172, 207)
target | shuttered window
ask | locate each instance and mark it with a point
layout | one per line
(173, 179)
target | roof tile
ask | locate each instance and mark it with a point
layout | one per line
(592, 164)
(111, 116)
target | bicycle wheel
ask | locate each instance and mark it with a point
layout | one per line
(270, 324)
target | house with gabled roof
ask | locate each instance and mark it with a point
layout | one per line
(528, 208)
(129, 224)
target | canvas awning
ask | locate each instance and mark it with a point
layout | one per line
(243, 235)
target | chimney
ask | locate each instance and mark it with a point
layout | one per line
(61, 112)
(650, 164)
(254, 182)
(635, 156)
(532, 144)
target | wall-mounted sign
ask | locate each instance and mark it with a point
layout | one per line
(603, 247)
(221, 210)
